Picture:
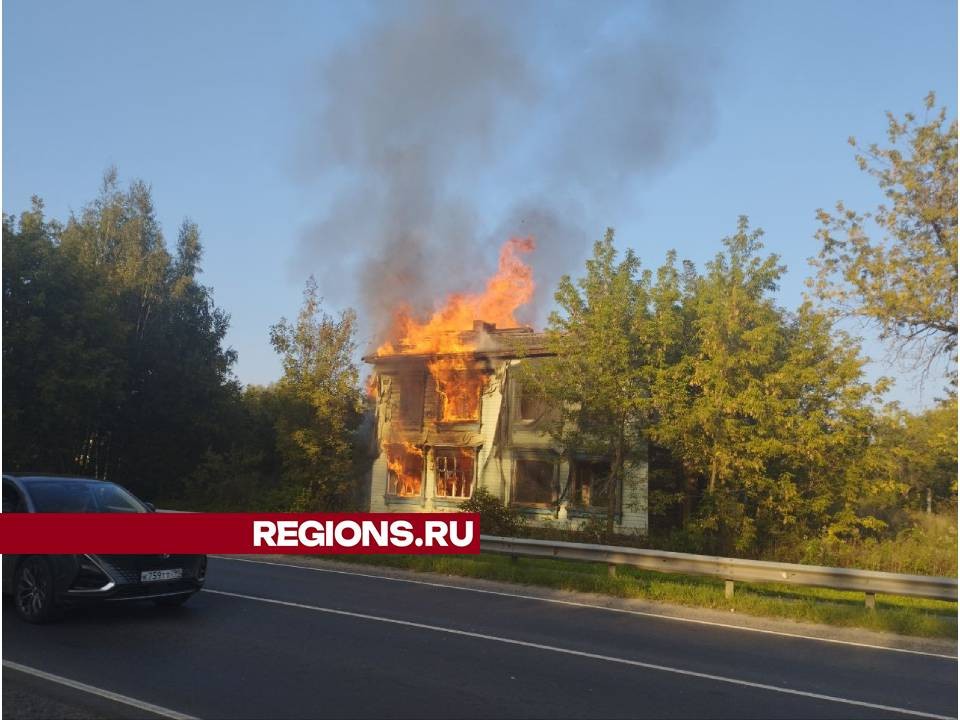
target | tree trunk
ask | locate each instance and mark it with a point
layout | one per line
(616, 480)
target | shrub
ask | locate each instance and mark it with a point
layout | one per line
(927, 547)
(495, 517)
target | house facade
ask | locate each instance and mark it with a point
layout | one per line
(446, 426)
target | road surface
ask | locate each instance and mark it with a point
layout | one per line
(272, 640)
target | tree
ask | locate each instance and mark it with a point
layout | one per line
(114, 363)
(906, 280)
(761, 405)
(320, 404)
(916, 456)
(596, 381)
(713, 413)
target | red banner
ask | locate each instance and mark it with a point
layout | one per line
(239, 533)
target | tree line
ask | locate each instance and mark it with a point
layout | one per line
(115, 366)
(762, 432)
(760, 428)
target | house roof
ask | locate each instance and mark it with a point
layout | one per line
(487, 341)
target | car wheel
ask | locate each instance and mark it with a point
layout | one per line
(33, 591)
(175, 601)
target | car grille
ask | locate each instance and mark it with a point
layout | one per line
(125, 569)
(129, 592)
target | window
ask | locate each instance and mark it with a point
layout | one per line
(531, 406)
(12, 502)
(411, 399)
(454, 470)
(458, 390)
(80, 496)
(592, 483)
(535, 483)
(404, 470)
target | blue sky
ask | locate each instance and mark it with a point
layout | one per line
(215, 105)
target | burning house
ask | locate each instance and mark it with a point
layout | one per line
(451, 417)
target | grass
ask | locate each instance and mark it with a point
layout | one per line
(902, 615)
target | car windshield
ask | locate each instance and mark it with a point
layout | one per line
(79, 496)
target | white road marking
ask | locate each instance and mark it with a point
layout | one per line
(573, 603)
(592, 656)
(115, 697)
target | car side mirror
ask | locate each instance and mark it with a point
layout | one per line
(150, 506)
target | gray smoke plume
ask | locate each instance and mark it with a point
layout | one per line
(446, 127)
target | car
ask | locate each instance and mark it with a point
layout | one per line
(42, 585)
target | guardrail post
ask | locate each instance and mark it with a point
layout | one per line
(728, 589)
(612, 570)
(871, 600)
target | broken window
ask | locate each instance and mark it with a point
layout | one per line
(458, 390)
(404, 470)
(454, 471)
(592, 483)
(535, 482)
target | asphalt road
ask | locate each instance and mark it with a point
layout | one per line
(273, 641)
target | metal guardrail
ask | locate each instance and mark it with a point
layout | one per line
(731, 570)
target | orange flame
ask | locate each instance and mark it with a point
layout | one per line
(405, 465)
(508, 289)
(443, 333)
(373, 386)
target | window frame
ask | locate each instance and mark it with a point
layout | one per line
(411, 385)
(393, 497)
(518, 395)
(549, 459)
(454, 449)
(576, 501)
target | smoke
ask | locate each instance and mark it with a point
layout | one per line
(445, 128)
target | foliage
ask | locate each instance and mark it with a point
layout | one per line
(321, 405)
(595, 379)
(242, 468)
(113, 357)
(926, 546)
(905, 280)
(495, 517)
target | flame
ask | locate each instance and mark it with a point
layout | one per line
(443, 333)
(509, 288)
(459, 389)
(373, 386)
(405, 464)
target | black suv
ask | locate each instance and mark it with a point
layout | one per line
(42, 584)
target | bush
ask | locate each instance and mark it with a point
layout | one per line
(495, 517)
(928, 547)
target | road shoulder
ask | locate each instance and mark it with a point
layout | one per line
(681, 613)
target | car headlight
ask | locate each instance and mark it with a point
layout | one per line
(90, 576)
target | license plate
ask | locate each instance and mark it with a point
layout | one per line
(157, 575)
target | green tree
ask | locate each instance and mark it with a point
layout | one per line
(897, 266)
(242, 468)
(916, 456)
(712, 403)
(114, 363)
(760, 405)
(596, 381)
(320, 404)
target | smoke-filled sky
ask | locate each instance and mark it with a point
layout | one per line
(445, 128)
(389, 148)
